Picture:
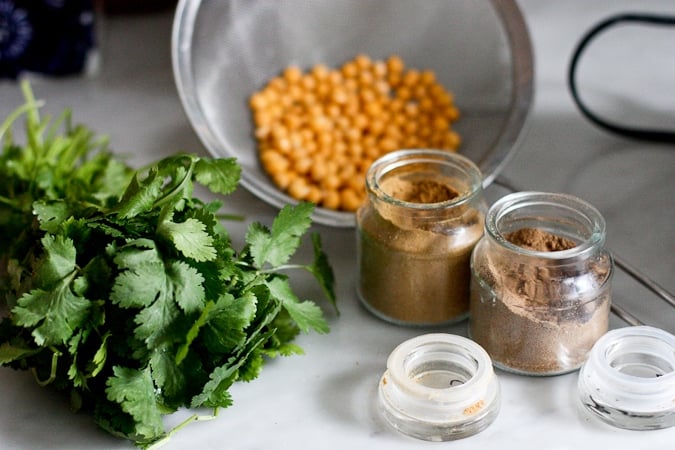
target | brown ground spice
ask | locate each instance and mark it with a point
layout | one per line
(425, 191)
(525, 316)
(539, 240)
(414, 269)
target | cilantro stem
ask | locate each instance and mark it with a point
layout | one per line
(263, 272)
(271, 270)
(193, 418)
(52, 374)
(30, 102)
(7, 201)
(6, 125)
(284, 267)
(33, 130)
(180, 186)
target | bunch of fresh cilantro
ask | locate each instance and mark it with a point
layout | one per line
(124, 291)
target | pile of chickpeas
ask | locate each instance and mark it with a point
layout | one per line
(319, 131)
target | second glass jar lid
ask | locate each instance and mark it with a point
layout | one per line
(629, 378)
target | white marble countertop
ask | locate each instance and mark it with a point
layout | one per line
(324, 399)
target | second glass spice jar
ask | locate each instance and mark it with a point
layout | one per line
(424, 214)
(540, 293)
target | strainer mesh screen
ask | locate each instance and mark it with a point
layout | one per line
(237, 46)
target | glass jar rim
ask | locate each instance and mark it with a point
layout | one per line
(400, 158)
(510, 203)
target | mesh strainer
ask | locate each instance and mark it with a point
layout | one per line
(225, 50)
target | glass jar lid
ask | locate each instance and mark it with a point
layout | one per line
(439, 387)
(628, 380)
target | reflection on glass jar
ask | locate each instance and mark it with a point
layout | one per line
(540, 292)
(424, 214)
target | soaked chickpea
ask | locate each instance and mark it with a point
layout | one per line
(318, 131)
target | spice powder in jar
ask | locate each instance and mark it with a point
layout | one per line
(424, 214)
(540, 293)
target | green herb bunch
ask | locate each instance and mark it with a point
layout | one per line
(123, 290)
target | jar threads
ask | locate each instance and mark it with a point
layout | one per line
(439, 387)
(424, 214)
(629, 379)
(539, 312)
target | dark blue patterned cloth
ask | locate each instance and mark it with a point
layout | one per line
(53, 37)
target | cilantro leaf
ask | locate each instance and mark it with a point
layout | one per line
(167, 375)
(307, 315)
(227, 321)
(214, 393)
(59, 259)
(190, 238)
(141, 279)
(51, 214)
(322, 271)
(55, 314)
(99, 358)
(147, 282)
(10, 352)
(221, 176)
(83, 366)
(281, 344)
(140, 195)
(277, 245)
(134, 390)
(106, 175)
(156, 319)
(187, 286)
(193, 333)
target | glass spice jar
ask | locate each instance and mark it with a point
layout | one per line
(628, 380)
(415, 233)
(439, 387)
(540, 288)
